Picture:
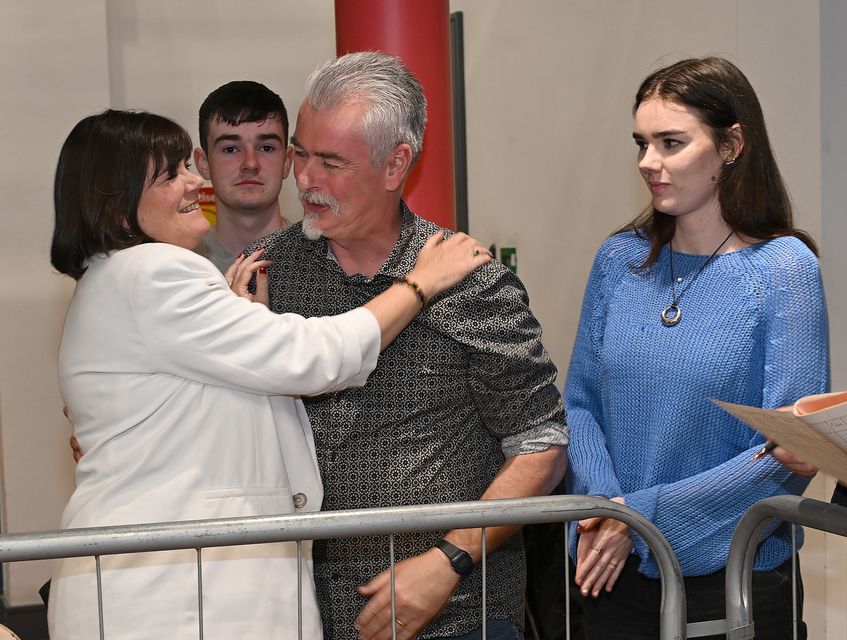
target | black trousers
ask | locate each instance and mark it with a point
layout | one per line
(839, 495)
(631, 610)
(545, 583)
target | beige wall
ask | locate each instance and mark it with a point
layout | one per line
(549, 91)
(833, 20)
(167, 56)
(551, 160)
(52, 70)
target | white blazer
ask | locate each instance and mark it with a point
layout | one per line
(172, 385)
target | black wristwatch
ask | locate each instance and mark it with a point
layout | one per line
(460, 560)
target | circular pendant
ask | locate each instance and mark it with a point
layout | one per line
(671, 315)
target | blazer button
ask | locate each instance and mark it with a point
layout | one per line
(300, 500)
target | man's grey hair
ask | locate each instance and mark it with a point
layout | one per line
(396, 106)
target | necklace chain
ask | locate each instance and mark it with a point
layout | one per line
(672, 314)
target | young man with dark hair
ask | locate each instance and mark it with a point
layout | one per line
(243, 151)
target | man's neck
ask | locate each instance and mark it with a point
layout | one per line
(235, 231)
(366, 250)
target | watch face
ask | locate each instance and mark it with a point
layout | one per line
(461, 562)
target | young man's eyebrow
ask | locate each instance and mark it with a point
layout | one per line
(228, 137)
(234, 137)
(269, 136)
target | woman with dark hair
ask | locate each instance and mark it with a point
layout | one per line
(174, 384)
(710, 293)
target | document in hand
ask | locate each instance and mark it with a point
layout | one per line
(816, 429)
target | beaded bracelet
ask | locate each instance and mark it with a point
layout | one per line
(415, 287)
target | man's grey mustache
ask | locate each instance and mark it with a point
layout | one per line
(320, 199)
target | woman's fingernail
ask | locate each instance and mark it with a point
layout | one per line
(579, 528)
(263, 270)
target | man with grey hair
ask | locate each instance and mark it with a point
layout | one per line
(461, 407)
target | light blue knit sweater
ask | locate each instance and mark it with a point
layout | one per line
(753, 331)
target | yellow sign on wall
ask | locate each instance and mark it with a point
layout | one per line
(207, 203)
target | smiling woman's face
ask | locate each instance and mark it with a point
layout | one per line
(168, 210)
(677, 158)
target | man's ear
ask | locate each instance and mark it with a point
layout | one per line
(202, 163)
(398, 166)
(289, 156)
(734, 144)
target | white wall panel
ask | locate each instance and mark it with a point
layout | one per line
(167, 56)
(53, 70)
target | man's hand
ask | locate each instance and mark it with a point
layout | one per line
(422, 586)
(424, 583)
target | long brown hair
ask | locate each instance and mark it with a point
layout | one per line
(751, 193)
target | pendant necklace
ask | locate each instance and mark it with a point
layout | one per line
(672, 314)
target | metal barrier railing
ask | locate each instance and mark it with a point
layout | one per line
(745, 541)
(199, 534)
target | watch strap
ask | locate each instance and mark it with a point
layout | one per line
(460, 559)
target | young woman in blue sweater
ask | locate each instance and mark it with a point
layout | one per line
(710, 293)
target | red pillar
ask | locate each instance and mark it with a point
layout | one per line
(418, 32)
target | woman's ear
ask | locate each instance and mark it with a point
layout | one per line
(733, 144)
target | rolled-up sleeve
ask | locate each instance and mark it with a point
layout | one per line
(511, 375)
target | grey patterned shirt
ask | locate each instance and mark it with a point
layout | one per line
(465, 385)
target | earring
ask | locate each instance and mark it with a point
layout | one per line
(730, 162)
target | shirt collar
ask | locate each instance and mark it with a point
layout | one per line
(402, 257)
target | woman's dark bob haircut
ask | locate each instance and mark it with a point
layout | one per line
(752, 196)
(103, 168)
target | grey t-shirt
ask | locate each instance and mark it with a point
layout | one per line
(211, 249)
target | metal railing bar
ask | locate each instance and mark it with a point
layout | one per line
(99, 574)
(794, 614)
(219, 532)
(200, 591)
(742, 550)
(484, 585)
(706, 628)
(393, 595)
(353, 523)
(567, 579)
(299, 590)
